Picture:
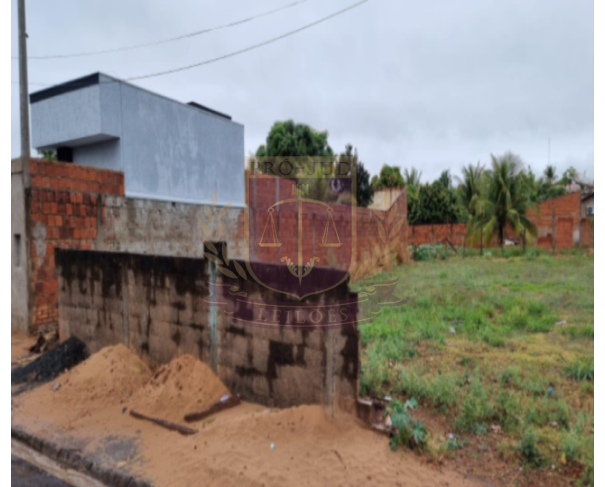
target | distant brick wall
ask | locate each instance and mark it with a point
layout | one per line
(426, 234)
(566, 221)
(154, 305)
(566, 226)
(63, 206)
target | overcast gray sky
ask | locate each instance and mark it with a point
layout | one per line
(434, 84)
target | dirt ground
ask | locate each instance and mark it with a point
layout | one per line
(19, 347)
(247, 445)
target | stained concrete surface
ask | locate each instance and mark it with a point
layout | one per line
(24, 474)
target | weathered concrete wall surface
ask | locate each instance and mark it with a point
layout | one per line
(84, 208)
(19, 290)
(154, 305)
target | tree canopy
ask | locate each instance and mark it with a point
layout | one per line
(390, 177)
(433, 203)
(365, 191)
(295, 140)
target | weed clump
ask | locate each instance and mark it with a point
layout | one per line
(528, 449)
(407, 431)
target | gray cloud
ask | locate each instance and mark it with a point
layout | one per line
(434, 84)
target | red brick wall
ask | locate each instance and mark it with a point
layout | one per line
(424, 234)
(63, 207)
(265, 191)
(587, 233)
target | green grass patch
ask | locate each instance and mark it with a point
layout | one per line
(503, 342)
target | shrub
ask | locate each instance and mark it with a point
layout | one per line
(476, 407)
(426, 252)
(528, 449)
(407, 431)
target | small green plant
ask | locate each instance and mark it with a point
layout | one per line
(479, 429)
(476, 407)
(581, 370)
(407, 431)
(426, 252)
(455, 443)
(528, 449)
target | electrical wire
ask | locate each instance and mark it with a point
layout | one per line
(235, 53)
(165, 41)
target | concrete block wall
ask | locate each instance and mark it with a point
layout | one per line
(154, 305)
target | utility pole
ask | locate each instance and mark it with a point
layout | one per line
(23, 92)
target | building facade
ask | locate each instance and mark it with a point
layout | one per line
(167, 150)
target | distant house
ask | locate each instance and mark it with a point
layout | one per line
(167, 150)
(588, 205)
(385, 197)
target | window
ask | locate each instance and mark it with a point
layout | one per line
(590, 210)
(17, 249)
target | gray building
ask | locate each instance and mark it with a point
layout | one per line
(167, 150)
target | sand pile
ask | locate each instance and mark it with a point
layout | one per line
(110, 375)
(107, 378)
(183, 386)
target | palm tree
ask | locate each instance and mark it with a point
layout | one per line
(469, 186)
(412, 177)
(550, 175)
(505, 202)
(412, 181)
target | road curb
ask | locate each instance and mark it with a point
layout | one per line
(75, 461)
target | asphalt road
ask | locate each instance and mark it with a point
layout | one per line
(24, 474)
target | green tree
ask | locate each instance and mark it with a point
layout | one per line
(505, 202)
(445, 179)
(570, 176)
(390, 177)
(365, 192)
(295, 140)
(434, 204)
(290, 139)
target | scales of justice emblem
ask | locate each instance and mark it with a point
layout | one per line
(297, 246)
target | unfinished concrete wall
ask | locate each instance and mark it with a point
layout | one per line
(19, 290)
(155, 305)
(85, 208)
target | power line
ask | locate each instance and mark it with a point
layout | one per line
(241, 51)
(169, 40)
(247, 49)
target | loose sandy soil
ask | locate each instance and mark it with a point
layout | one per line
(183, 386)
(232, 448)
(20, 345)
